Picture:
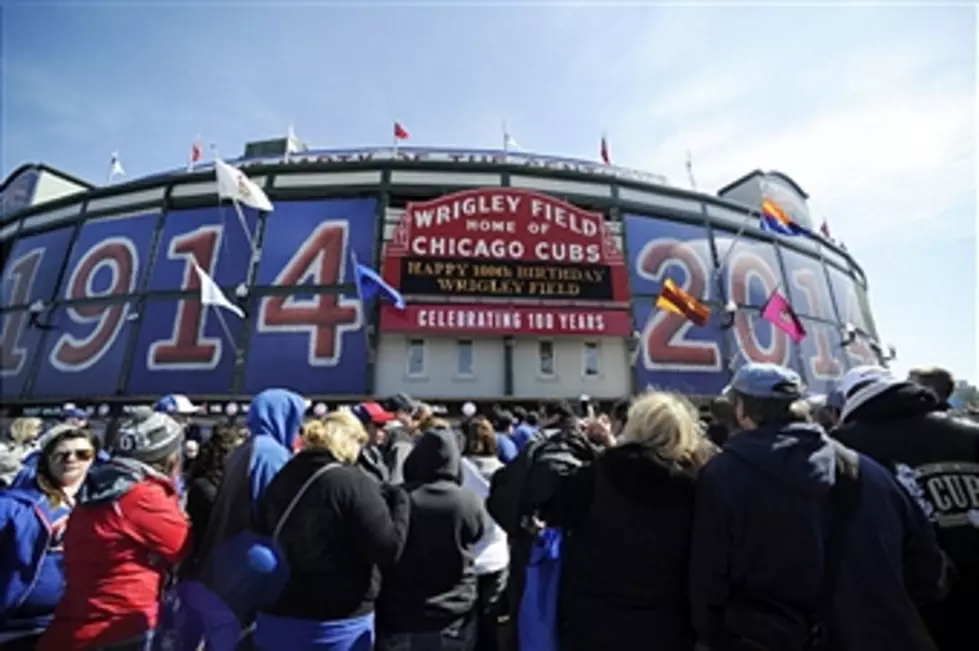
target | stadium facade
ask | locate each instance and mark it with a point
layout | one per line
(526, 276)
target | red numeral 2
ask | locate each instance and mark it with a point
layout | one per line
(665, 345)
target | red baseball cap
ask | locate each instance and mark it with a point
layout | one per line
(372, 412)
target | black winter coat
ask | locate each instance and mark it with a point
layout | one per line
(627, 526)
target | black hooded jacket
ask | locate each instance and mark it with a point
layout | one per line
(627, 521)
(433, 584)
(760, 531)
(936, 457)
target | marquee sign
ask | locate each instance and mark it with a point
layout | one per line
(505, 279)
(491, 320)
(505, 243)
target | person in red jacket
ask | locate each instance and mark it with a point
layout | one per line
(126, 534)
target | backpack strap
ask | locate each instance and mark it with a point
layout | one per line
(298, 496)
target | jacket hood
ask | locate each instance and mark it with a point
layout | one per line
(632, 470)
(277, 413)
(799, 456)
(903, 400)
(435, 457)
(108, 482)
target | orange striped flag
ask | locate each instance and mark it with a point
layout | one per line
(676, 300)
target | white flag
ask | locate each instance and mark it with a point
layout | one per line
(292, 143)
(115, 166)
(211, 294)
(509, 142)
(235, 185)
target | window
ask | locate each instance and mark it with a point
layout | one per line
(464, 357)
(591, 362)
(416, 357)
(545, 357)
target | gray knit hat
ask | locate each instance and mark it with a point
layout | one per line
(148, 436)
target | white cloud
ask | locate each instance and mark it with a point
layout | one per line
(874, 156)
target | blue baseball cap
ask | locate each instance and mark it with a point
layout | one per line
(767, 381)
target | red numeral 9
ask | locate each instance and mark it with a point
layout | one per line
(188, 348)
(664, 342)
(324, 318)
(747, 264)
(71, 353)
(22, 273)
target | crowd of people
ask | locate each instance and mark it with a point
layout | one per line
(788, 522)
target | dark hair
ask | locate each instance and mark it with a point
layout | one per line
(561, 410)
(480, 438)
(770, 411)
(45, 479)
(722, 412)
(620, 410)
(520, 414)
(215, 451)
(502, 420)
(532, 419)
(937, 379)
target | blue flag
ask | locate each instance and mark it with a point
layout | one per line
(370, 284)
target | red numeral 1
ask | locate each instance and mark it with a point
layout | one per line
(188, 348)
(324, 318)
(22, 273)
(823, 364)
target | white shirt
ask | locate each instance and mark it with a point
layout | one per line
(492, 551)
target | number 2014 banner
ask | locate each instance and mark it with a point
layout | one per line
(170, 341)
(675, 354)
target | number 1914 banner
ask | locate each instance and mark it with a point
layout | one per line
(103, 337)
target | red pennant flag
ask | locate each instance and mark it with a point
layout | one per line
(604, 152)
(400, 133)
(824, 229)
(780, 314)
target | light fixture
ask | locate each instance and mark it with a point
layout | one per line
(730, 313)
(241, 291)
(319, 410)
(849, 335)
(36, 309)
(231, 409)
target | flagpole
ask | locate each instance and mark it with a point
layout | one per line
(690, 177)
(737, 238)
(227, 330)
(506, 139)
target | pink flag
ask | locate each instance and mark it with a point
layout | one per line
(780, 314)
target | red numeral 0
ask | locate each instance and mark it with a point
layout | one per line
(747, 264)
(188, 348)
(22, 273)
(664, 343)
(72, 354)
(326, 317)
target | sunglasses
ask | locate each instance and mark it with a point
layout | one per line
(81, 455)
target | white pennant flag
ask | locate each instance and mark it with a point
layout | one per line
(115, 166)
(235, 185)
(211, 294)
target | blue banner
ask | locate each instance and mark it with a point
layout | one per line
(83, 355)
(849, 310)
(18, 351)
(182, 346)
(673, 353)
(312, 342)
(32, 268)
(823, 359)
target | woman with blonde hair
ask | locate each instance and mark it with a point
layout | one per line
(627, 517)
(335, 526)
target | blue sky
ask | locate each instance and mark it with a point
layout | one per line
(871, 110)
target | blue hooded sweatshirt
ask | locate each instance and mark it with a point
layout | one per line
(275, 417)
(761, 518)
(31, 571)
